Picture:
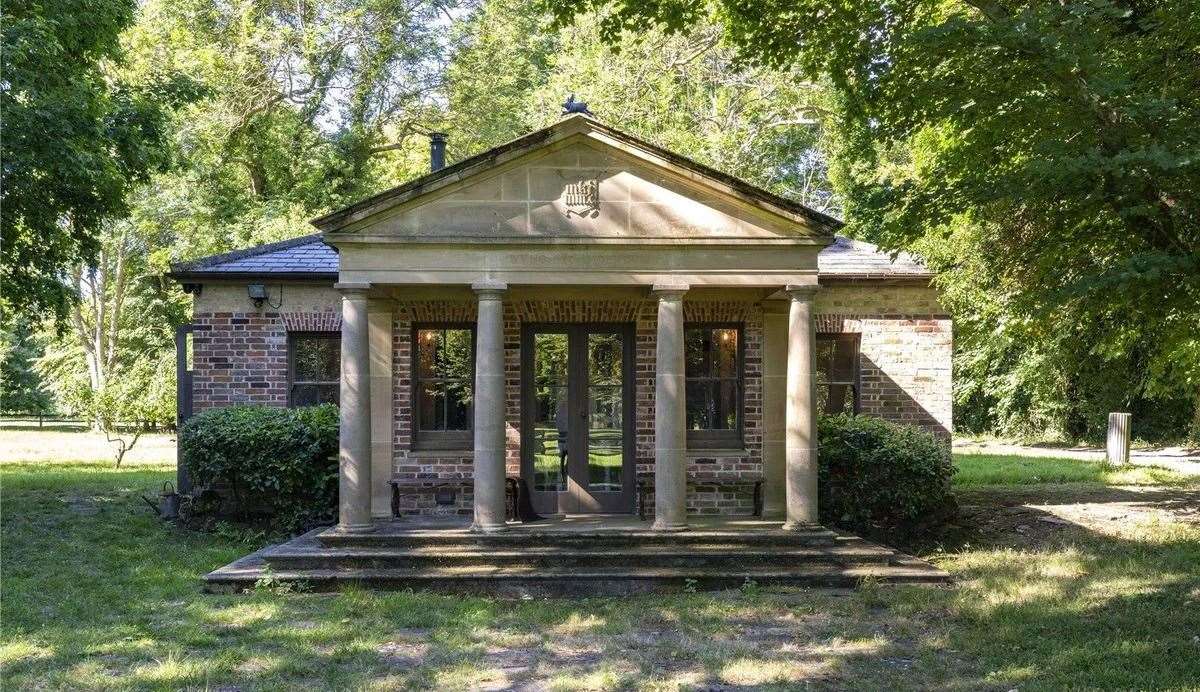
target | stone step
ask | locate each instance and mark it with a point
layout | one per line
(592, 539)
(573, 562)
(521, 583)
(555, 557)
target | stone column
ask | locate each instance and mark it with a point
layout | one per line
(489, 408)
(800, 420)
(379, 318)
(670, 416)
(774, 406)
(354, 453)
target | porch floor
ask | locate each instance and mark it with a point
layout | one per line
(583, 555)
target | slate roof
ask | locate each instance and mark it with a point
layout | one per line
(852, 259)
(298, 258)
(309, 257)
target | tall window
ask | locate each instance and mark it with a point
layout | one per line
(443, 382)
(837, 373)
(713, 369)
(314, 368)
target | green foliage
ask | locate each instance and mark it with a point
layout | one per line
(114, 361)
(1043, 155)
(280, 460)
(139, 393)
(307, 107)
(682, 92)
(76, 141)
(21, 387)
(877, 477)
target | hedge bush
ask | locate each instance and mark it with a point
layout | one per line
(273, 460)
(879, 478)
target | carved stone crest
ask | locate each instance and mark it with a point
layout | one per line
(582, 198)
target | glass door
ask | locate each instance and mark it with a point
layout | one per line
(577, 433)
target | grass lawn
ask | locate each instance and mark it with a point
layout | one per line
(97, 593)
(1002, 469)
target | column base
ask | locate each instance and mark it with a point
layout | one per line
(791, 525)
(357, 528)
(488, 528)
(668, 527)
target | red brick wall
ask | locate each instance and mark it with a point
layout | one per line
(905, 351)
(409, 463)
(413, 464)
(241, 357)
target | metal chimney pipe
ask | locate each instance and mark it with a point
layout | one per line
(437, 151)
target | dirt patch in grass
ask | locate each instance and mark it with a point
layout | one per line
(1033, 516)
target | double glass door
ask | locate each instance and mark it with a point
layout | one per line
(577, 447)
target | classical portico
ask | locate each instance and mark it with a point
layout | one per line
(575, 364)
(606, 289)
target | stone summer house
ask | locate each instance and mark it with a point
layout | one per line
(580, 318)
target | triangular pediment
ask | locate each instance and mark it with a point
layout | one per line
(580, 181)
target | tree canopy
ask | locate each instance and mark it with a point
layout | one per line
(1043, 156)
(77, 139)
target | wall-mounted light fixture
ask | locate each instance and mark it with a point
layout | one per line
(257, 293)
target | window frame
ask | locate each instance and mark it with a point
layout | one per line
(855, 341)
(733, 438)
(295, 336)
(438, 440)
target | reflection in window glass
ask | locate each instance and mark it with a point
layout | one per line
(315, 368)
(606, 411)
(551, 416)
(837, 373)
(443, 379)
(713, 371)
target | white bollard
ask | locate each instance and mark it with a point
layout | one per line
(1118, 439)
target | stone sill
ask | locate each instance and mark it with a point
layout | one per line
(717, 453)
(440, 453)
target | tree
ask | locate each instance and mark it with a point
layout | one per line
(309, 106)
(683, 92)
(114, 363)
(21, 389)
(75, 141)
(1053, 145)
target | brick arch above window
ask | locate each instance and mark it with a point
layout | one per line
(312, 321)
(717, 310)
(838, 324)
(438, 311)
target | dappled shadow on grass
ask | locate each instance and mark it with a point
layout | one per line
(111, 598)
(1074, 585)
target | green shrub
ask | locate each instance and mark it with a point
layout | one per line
(278, 461)
(880, 478)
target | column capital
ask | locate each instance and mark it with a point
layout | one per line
(489, 288)
(801, 291)
(352, 289)
(669, 291)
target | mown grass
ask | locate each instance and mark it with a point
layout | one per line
(1004, 469)
(99, 594)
